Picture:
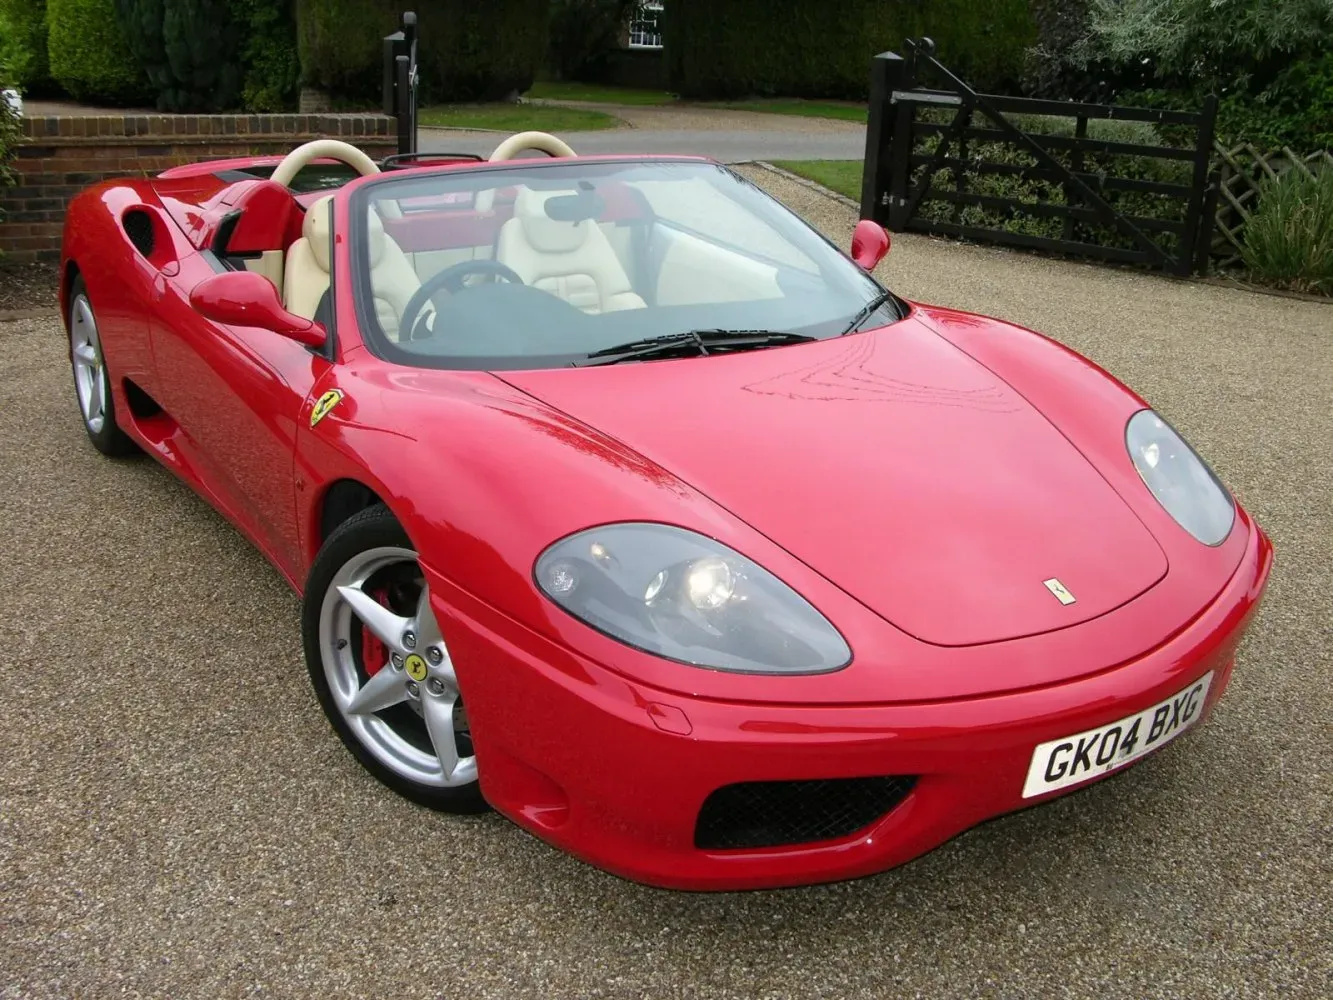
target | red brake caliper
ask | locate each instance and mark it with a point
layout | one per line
(374, 654)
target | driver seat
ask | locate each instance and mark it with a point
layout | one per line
(571, 260)
(393, 280)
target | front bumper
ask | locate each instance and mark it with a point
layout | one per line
(616, 772)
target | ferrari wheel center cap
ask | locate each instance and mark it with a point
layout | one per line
(415, 667)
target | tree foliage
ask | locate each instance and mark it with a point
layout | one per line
(585, 32)
(468, 51)
(187, 48)
(89, 54)
(802, 48)
(1214, 44)
(23, 43)
(269, 58)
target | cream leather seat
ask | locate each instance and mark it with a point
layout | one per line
(393, 280)
(573, 260)
(305, 273)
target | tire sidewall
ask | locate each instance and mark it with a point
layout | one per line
(111, 439)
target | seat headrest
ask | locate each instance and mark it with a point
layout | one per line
(318, 230)
(545, 234)
(375, 236)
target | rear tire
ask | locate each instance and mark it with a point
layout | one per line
(92, 380)
(381, 669)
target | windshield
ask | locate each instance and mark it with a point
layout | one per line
(549, 265)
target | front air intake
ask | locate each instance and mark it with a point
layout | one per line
(779, 813)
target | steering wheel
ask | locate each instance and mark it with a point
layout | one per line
(320, 149)
(450, 278)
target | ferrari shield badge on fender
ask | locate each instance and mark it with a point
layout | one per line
(324, 404)
(1060, 591)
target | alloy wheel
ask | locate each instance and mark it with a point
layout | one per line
(89, 370)
(389, 671)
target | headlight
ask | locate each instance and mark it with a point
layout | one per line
(1179, 479)
(680, 595)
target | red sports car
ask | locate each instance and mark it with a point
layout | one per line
(623, 502)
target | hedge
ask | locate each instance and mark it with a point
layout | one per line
(89, 55)
(188, 48)
(9, 132)
(23, 44)
(469, 51)
(271, 65)
(803, 48)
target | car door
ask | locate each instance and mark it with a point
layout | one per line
(237, 392)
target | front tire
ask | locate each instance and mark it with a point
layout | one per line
(92, 382)
(381, 668)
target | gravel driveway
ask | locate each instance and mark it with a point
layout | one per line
(177, 819)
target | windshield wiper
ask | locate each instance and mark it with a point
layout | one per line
(868, 310)
(692, 341)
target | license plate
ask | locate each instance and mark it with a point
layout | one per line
(1083, 756)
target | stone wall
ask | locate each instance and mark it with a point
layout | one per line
(60, 156)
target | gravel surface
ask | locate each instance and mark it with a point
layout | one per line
(177, 819)
(28, 286)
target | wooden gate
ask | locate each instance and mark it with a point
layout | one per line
(1028, 173)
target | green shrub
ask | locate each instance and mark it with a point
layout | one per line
(9, 134)
(802, 48)
(1289, 238)
(188, 49)
(468, 51)
(23, 44)
(272, 68)
(90, 57)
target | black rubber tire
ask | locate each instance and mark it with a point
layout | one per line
(371, 528)
(110, 440)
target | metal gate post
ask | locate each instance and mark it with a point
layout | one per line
(888, 72)
(400, 81)
(1194, 222)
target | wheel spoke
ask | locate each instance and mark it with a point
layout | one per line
(428, 632)
(386, 626)
(384, 690)
(87, 354)
(96, 396)
(439, 715)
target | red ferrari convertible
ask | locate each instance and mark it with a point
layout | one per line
(623, 502)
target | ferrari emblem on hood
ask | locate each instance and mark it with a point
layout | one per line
(325, 403)
(1060, 591)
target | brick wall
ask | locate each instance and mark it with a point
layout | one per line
(61, 156)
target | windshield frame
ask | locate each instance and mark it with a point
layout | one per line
(360, 194)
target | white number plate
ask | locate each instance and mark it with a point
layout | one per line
(1064, 762)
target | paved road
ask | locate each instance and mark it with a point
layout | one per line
(728, 147)
(726, 135)
(177, 820)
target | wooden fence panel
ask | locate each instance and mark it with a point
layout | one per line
(1244, 168)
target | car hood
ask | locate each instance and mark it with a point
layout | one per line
(894, 465)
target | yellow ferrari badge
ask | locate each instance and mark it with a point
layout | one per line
(324, 404)
(1060, 591)
(416, 668)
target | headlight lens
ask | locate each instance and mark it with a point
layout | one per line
(685, 597)
(1179, 479)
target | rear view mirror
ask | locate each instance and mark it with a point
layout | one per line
(243, 298)
(870, 243)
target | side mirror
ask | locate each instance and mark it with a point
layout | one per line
(869, 244)
(243, 298)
